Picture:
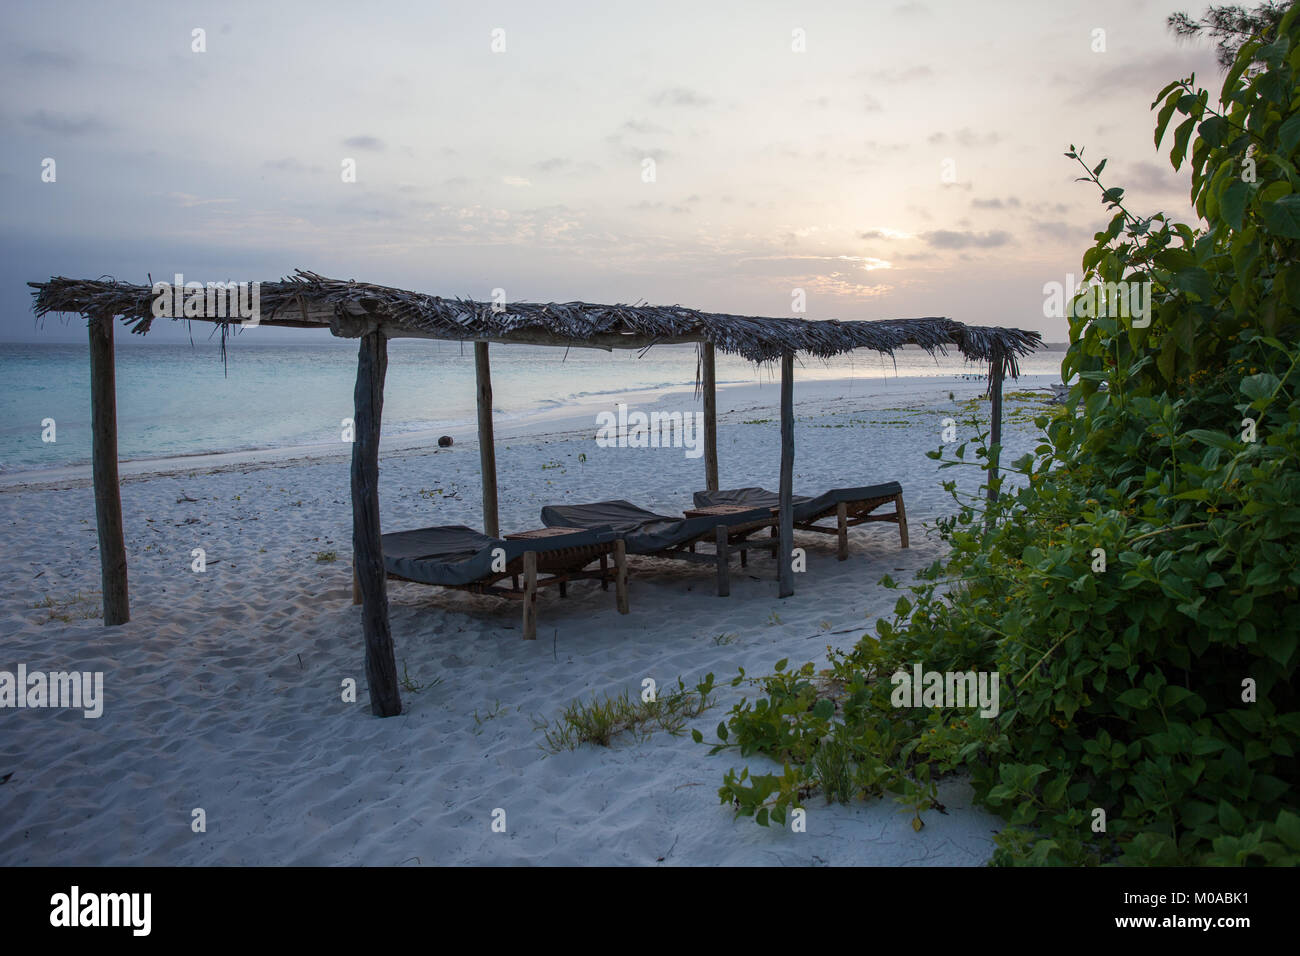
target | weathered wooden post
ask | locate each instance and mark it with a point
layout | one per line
(995, 429)
(785, 568)
(108, 493)
(367, 549)
(487, 452)
(710, 383)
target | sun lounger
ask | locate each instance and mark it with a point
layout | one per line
(664, 536)
(455, 556)
(849, 506)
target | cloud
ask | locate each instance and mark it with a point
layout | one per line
(364, 142)
(871, 104)
(1011, 202)
(187, 201)
(1064, 231)
(62, 124)
(1154, 178)
(679, 96)
(552, 164)
(884, 233)
(515, 181)
(948, 239)
(912, 9)
(971, 139)
(893, 77)
(643, 128)
(47, 59)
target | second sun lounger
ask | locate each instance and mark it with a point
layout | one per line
(454, 556)
(850, 506)
(664, 536)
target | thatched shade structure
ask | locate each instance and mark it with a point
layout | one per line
(375, 314)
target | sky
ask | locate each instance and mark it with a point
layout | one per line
(890, 159)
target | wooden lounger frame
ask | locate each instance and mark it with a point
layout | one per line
(560, 565)
(850, 513)
(726, 539)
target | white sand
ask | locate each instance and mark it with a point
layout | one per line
(223, 692)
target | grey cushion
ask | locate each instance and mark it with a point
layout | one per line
(454, 554)
(805, 509)
(644, 532)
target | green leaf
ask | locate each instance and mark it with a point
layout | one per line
(1181, 136)
(1259, 386)
(1282, 216)
(1232, 204)
(1289, 133)
(1288, 829)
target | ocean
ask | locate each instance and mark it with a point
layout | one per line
(177, 400)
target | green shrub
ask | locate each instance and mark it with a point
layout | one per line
(1160, 690)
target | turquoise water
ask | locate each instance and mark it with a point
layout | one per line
(178, 399)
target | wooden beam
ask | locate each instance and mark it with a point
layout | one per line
(784, 568)
(367, 549)
(709, 380)
(995, 429)
(620, 575)
(487, 452)
(108, 494)
(723, 557)
(530, 595)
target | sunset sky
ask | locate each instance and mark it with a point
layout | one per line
(523, 169)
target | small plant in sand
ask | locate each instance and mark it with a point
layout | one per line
(498, 710)
(757, 421)
(773, 619)
(82, 606)
(324, 557)
(728, 637)
(599, 721)
(413, 686)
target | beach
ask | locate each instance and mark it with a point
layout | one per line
(224, 693)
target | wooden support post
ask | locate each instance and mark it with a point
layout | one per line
(487, 452)
(108, 494)
(784, 569)
(530, 595)
(902, 520)
(995, 428)
(367, 550)
(724, 577)
(710, 383)
(842, 530)
(620, 575)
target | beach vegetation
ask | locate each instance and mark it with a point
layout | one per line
(81, 606)
(1149, 709)
(602, 719)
